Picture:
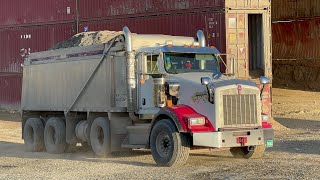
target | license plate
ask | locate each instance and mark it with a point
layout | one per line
(242, 140)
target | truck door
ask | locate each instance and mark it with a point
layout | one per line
(147, 70)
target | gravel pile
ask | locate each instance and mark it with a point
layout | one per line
(88, 38)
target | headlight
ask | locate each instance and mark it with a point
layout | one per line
(197, 121)
(265, 118)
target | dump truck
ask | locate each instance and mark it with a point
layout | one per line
(142, 91)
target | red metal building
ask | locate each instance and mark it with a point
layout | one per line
(296, 39)
(15, 13)
(10, 90)
(110, 8)
(295, 9)
(16, 44)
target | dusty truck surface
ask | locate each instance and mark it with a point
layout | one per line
(159, 92)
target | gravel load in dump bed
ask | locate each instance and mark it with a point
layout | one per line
(88, 38)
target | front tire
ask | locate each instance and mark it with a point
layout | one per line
(33, 135)
(168, 146)
(243, 152)
(100, 137)
(55, 136)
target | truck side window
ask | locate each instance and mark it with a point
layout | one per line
(152, 64)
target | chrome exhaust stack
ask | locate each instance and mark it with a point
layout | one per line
(131, 81)
(202, 43)
(201, 38)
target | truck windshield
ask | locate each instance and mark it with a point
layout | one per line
(176, 63)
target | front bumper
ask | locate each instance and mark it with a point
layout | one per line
(225, 139)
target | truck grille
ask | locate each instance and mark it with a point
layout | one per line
(240, 110)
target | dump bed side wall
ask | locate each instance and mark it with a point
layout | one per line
(55, 86)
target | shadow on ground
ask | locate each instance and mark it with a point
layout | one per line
(16, 150)
(298, 123)
(297, 147)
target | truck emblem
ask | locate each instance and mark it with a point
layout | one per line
(239, 89)
(200, 97)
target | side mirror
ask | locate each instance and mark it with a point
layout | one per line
(264, 80)
(205, 80)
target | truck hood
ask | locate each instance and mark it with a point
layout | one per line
(217, 79)
(193, 94)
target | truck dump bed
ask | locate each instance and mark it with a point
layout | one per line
(59, 80)
(88, 78)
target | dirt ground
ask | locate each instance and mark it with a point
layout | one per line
(296, 153)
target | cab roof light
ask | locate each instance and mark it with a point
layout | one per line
(169, 44)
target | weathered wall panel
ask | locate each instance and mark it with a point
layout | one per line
(19, 12)
(16, 43)
(295, 9)
(10, 90)
(296, 40)
(89, 9)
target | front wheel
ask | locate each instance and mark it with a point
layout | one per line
(252, 152)
(168, 146)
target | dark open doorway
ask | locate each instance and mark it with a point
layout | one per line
(256, 45)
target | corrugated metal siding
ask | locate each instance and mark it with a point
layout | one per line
(213, 25)
(19, 12)
(89, 9)
(295, 9)
(10, 90)
(296, 40)
(16, 43)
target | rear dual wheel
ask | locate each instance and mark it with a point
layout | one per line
(51, 137)
(100, 138)
(33, 135)
(55, 136)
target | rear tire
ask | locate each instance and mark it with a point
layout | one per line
(33, 135)
(100, 137)
(243, 152)
(168, 146)
(55, 136)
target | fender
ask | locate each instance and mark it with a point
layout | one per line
(177, 115)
